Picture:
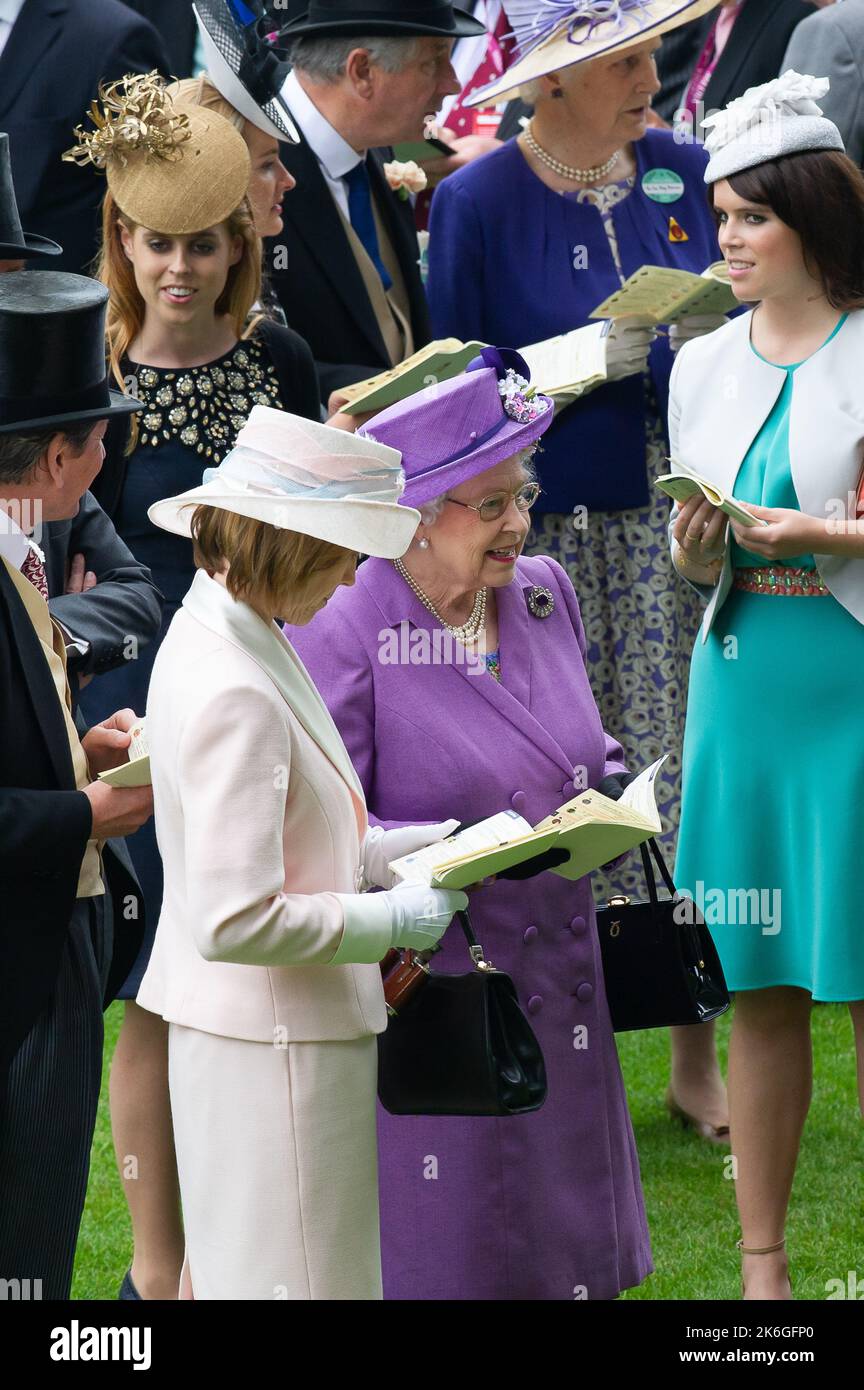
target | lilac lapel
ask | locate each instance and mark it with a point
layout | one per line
(511, 697)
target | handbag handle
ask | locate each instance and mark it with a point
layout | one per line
(649, 871)
(475, 950)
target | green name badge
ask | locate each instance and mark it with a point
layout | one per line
(662, 185)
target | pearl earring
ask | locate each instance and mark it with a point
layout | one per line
(423, 544)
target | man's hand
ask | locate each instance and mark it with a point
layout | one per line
(339, 419)
(466, 149)
(106, 744)
(118, 811)
(80, 580)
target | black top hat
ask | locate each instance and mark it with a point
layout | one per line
(16, 245)
(52, 352)
(353, 18)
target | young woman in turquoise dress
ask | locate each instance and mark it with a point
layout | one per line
(769, 408)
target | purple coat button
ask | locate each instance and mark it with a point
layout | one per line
(577, 925)
(568, 791)
(529, 934)
(535, 1004)
(584, 993)
(517, 801)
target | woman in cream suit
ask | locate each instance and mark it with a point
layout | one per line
(770, 409)
(265, 960)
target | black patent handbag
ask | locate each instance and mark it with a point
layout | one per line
(461, 1045)
(661, 967)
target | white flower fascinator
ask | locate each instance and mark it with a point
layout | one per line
(780, 117)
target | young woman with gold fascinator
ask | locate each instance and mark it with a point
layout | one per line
(182, 261)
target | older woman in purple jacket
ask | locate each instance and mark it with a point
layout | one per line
(456, 676)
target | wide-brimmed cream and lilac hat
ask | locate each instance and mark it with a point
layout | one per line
(555, 34)
(301, 476)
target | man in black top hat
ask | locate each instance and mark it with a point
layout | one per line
(98, 591)
(365, 76)
(70, 912)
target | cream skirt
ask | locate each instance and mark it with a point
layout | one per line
(278, 1169)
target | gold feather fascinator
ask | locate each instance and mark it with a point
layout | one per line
(173, 167)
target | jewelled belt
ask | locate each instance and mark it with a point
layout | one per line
(784, 580)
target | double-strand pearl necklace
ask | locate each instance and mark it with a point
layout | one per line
(566, 171)
(466, 632)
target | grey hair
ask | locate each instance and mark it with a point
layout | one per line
(20, 453)
(324, 59)
(431, 510)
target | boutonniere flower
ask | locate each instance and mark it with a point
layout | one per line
(405, 178)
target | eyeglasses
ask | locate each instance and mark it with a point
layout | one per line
(494, 506)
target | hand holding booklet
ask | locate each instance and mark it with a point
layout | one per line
(687, 482)
(662, 294)
(135, 772)
(592, 829)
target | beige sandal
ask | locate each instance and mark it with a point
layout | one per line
(760, 1250)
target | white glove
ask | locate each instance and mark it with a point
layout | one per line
(410, 915)
(696, 326)
(628, 343)
(381, 846)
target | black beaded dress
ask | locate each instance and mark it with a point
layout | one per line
(192, 418)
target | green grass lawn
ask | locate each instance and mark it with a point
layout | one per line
(691, 1204)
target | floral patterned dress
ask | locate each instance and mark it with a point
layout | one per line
(640, 618)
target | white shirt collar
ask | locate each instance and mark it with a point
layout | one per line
(324, 140)
(14, 545)
(10, 10)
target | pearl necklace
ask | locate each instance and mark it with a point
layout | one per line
(466, 632)
(565, 170)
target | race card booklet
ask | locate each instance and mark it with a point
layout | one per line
(571, 363)
(438, 361)
(136, 772)
(685, 483)
(661, 294)
(591, 827)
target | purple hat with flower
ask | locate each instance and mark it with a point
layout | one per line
(454, 430)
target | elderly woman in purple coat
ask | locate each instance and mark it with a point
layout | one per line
(457, 679)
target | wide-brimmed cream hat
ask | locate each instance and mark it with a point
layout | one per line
(302, 476)
(174, 168)
(555, 34)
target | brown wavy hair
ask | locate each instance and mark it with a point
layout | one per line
(126, 308)
(820, 195)
(265, 562)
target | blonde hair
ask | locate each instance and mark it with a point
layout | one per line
(266, 563)
(126, 308)
(199, 91)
